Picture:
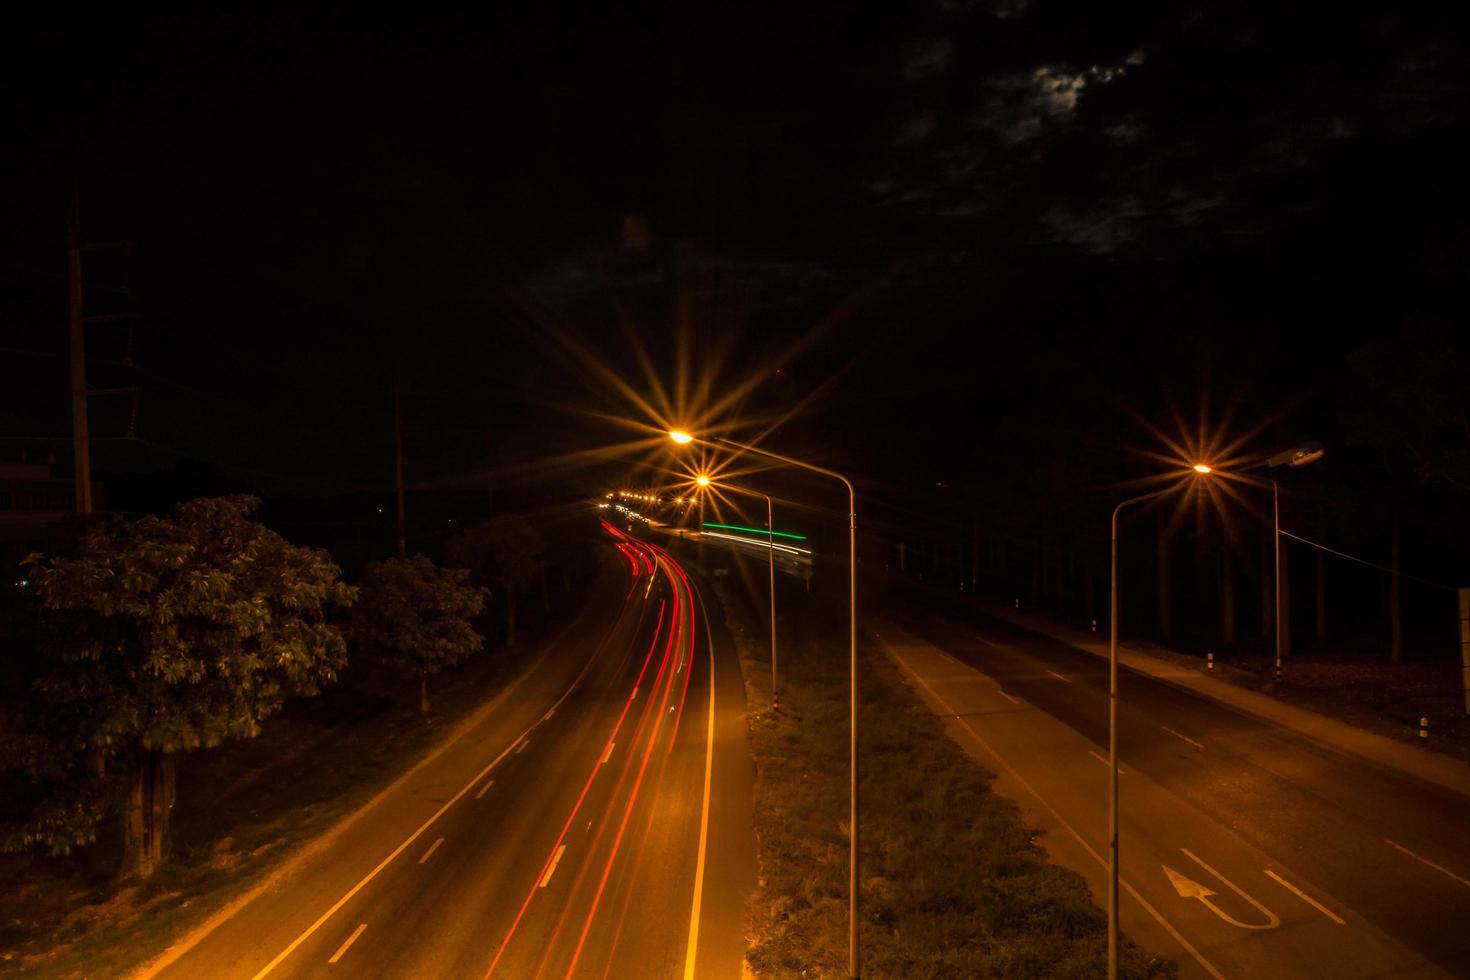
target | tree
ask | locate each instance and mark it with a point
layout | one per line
(504, 551)
(415, 617)
(172, 633)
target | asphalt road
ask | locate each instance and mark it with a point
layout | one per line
(593, 821)
(1247, 850)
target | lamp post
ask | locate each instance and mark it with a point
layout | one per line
(1202, 470)
(1300, 455)
(1113, 737)
(704, 481)
(683, 438)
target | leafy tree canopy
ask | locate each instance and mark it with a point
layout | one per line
(415, 616)
(187, 630)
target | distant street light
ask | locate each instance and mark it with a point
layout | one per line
(704, 481)
(1201, 469)
(682, 437)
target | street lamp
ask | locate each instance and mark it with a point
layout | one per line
(683, 438)
(704, 481)
(1301, 455)
(1202, 470)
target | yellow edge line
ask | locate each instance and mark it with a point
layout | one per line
(709, 759)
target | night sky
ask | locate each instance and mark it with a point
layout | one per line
(976, 238)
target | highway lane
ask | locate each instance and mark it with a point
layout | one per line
(564, 836)
(1317, 863)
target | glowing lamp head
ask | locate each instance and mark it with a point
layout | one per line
(702, 480)
(681, 437)
(1201, 468)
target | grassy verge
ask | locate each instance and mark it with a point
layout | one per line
(242, 809)
(954, 884)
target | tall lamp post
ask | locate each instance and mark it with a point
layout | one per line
(1307, 452)
(1202, 470)
(683, 438)
(704, 481)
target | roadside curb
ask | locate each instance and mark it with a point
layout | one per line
(1443, 771)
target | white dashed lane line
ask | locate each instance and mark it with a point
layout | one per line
(350, 940)
(551, 868)
(1184, 737)
(432, 848)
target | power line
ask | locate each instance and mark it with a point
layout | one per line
(1370, 564)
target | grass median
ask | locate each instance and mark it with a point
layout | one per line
(954, 883)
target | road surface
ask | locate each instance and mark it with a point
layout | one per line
(1247, 850)
(595, 821)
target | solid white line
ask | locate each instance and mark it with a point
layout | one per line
(709, 761)
(1064, 680)
(1428, 863)
(1124, 882)
(551, 868)
(608, 754)
(488, 784)
(1185, 737)
(1305, 897)
(1009, 698)
(547, 716)
(350, 940)
(522, 747)
(432, 848)
(1104, 760)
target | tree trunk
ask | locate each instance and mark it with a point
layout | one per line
(1285, 611)
(146, 815)
(1396, 623)
(974, 559)
(1091, 605)
(1227, 598)
(1267, 578)
(510, 614)
(1035, 574)
(1321, 600)
(1162, 561)
(423, 695)
(1061, 567)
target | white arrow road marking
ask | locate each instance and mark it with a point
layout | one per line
(551, 868)
(1185, 737)
(1426, 862)
(1189, 888)
(350, 940)
(1306, 898)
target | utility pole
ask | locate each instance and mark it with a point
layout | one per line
(80, 446)
(398, 461)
